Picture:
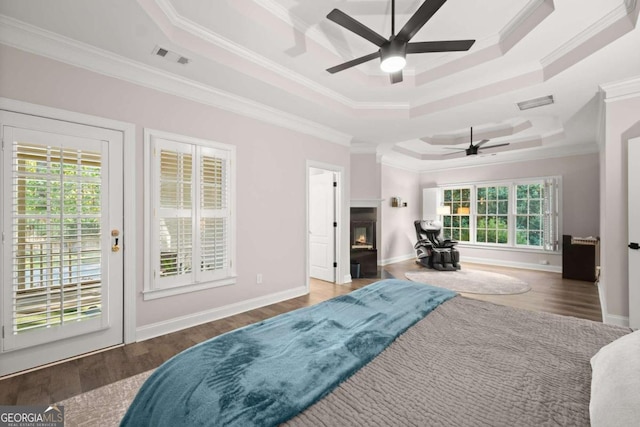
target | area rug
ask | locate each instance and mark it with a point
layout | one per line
(470, 281)
(104, 406)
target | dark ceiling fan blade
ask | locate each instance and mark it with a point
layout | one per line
(454, 152)
(417, 21)
(352, 25)
(494, 146)
(484, 141)
(354, 62)
(440, 46)
(396, 77)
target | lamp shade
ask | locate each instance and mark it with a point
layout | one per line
(443, 210)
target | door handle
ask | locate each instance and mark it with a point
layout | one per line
(634, 245)
(115, 247)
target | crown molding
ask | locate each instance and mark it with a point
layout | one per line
(180, 22)
(303, 27)
(44, 43)
(623, 10)
(521, 18)
(505, 128)
(491, 47)
(621, 88)
(508, 158)
(436, 162)
(397, 164)
(363, 149)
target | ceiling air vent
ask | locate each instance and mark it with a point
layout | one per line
(534, 103)
(170, 56)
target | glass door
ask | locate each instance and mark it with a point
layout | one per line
(62, 275)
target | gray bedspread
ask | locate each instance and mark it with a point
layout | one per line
(473, 363)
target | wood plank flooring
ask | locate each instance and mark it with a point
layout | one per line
(549, 293)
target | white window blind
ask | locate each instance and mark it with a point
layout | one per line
(55, 243)
(214, 235)
(175, 212)
(191, 197)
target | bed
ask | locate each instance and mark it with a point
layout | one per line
(396, 353)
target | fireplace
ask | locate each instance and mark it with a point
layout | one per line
(364, 253)
(363, 234)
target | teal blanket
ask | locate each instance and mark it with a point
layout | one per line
(266, 373)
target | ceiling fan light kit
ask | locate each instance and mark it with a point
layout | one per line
(393, 57)
(392, 51)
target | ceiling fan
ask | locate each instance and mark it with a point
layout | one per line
(393, 51)
(473, 150)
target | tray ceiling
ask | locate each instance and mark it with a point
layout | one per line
(273, 54)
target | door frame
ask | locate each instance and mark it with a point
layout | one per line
(332, 235)
(634, 270)
(339, 215)
(128, 235)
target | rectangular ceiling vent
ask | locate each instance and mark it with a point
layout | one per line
(170, 56)
(534, 103)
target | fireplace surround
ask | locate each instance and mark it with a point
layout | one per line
(364, 251)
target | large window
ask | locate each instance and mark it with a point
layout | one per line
(492, 214)
(514, 214)
(190, 201)
(456, 225)
(530, 201)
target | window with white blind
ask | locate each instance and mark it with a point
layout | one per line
(190, 209)
(56, 212)
(522, 214)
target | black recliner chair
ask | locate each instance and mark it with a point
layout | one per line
(433, 251)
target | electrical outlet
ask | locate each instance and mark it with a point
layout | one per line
(544, 262)
(259, 278)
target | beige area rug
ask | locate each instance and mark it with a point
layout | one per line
(104, 406)
(470, 281)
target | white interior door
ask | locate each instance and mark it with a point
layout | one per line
(321, 225)
(634, 232)
(62, 211)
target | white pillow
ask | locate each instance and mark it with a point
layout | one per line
(615, 383)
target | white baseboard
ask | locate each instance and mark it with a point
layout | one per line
(397, 259)
(602, 298)
(609, 319)
(614, 319)
(172, 325)
(512, 264)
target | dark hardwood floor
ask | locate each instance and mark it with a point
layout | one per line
(549, 293)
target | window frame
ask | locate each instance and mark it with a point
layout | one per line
(456, 214)
(514, 206)
(199, 279)
(554, 183)
(476, 216)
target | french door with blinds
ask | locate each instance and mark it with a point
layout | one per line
(62, 214)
